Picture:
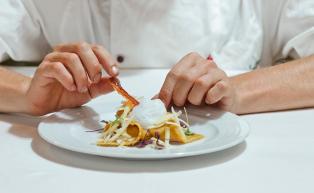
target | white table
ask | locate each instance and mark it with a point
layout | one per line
(278, 156)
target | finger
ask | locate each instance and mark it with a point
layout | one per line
(168, 86)
(156, 96)
(186, 81)
(186, 62)
(203, 84)
(106, 60)
(217, 92)
(56, 70)
(100, 88)
(87, 57)
(73, 63)
(165, 93)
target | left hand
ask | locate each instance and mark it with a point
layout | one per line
(196, 80)
(68, 77)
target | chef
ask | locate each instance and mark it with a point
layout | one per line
(198, 40)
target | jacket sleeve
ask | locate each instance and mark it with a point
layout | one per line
(21, 37)
(297, 23)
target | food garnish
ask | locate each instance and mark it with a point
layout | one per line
(115, 83)
(147, 124)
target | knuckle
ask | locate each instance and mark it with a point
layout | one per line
(218, 71)
(98, 47)
(172, 75)
(220, 74)
(212, 63)
(57, 47)
(49, 56)
(211, 68)
(182, 77)
(72, 58)
(50, 67)
(193, 55)
(47, 65)
(185, 77)
(43, 66)
(55, 66)
(209, 64)
(201, 83)
(82, 47)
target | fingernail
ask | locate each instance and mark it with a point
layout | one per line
(115, 70)
(83, 90)
(97, 78)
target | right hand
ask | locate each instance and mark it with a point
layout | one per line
(197, 80)
(69, 77)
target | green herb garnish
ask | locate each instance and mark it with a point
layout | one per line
(188, 132)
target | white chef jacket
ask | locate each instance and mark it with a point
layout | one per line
(155, 33)
(288, 29)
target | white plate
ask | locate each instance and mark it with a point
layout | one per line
(67, 129)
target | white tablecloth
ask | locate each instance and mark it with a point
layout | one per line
(278, 157)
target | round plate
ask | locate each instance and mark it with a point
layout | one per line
(69, 129)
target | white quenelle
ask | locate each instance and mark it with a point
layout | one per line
(149, 112)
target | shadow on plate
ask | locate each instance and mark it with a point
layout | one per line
(87, 116)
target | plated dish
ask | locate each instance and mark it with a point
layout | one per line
(142, 129)
(147, 124)
(67, 130)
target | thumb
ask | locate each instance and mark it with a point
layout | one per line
(100, 88)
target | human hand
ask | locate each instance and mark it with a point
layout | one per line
(197, 80)
(69, 77)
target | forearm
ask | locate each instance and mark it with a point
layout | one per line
(13, 88)
(280, 87)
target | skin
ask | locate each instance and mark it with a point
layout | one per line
(68, 77)
(196, 80)
(71, 76)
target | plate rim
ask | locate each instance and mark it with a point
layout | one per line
(244, 133)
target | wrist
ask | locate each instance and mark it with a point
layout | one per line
(25, 104)
(238, 107)
(19, 94)
(28, 105)
(13, 92)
